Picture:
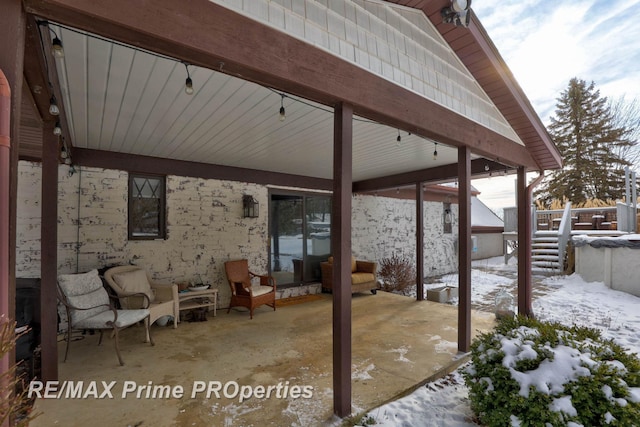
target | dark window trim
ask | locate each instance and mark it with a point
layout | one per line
(162, 226)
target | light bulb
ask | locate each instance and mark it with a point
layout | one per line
(53, 107)
(282, 114)
(56, 48)
(57, 130)
(188, 86)
(435, 154)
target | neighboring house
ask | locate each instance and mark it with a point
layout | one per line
(194, 105)
(487, 229)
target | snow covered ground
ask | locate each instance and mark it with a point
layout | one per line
(565, 299)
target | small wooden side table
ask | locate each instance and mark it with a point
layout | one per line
(194, 299)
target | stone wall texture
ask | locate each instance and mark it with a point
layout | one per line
(205, 227)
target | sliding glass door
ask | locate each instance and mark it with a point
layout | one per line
(300, 236)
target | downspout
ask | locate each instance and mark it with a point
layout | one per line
(524, 307)
(533, 185)
(5, 167)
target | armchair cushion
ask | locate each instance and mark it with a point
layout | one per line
(260, 290)
(357, 278)
(134, 281)
(125, 318)
(354, 264)
(84, 290)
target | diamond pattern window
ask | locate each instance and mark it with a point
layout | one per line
(147, 207)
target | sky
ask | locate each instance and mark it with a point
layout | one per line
(545, 43)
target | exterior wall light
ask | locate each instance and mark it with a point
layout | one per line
(458, 14)
(250, 207)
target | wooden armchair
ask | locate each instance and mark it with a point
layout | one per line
(130, 281)
(88, 307)
(243, 292)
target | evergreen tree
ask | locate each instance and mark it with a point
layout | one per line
(591, 144)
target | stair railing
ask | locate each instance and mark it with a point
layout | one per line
(564, 234)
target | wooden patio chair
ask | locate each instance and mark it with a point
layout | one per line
(128, 281)
(246, 294)
(88, 307)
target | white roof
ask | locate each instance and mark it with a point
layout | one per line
(482, 216)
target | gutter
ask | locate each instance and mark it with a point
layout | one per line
(533, 185)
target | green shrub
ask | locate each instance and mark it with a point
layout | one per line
(531, 373)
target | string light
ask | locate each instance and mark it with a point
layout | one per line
(56, 44)
(282, 111)
(53, 106)
(57, 130)
(435, 151)
(188, 84)
(399, 138)
(56, 47)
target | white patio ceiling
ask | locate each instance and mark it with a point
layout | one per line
(121, 99)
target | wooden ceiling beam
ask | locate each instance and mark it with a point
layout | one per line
(439, 174)
(161, 166)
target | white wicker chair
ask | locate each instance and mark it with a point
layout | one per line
(127, 281)
(88, 307)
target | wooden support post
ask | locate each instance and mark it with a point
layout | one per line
(464, 249)
(524, 245)
(341, 250)
(49, 257)
(12, 34)
(419, 242)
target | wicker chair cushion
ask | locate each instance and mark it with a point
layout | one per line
(84, 290)
(134, 281)
(261, 290)
(125, 318)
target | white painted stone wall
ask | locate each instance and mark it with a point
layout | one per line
(205, 228)
(395, 42)
(383, 226)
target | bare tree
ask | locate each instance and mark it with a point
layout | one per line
(626, 114)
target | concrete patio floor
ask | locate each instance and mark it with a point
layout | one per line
(398, 344)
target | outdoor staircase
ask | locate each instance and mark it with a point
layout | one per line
(549, 247)
(545, 251)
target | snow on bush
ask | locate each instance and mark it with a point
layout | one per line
(532, 373)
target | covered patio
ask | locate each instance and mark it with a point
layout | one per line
(398, 344)
(379, 95)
